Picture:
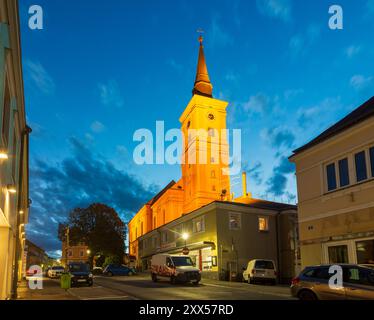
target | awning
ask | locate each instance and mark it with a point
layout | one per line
(190, 246)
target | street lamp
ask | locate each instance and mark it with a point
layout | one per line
(88, 251)
(11, 188)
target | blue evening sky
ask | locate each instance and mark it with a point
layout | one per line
(99, 70)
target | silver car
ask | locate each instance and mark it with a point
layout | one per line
(313, 283)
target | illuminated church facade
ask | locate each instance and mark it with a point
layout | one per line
(205, 185)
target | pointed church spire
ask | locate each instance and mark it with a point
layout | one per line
(202, 85)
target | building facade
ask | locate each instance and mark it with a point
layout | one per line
(14, 199)
(224, 236)
(74, 253)
(205, 174)
(335, 182)
(35, 256)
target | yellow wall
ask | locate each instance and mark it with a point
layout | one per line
(345, 212)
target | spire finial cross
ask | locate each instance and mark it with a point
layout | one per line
(200, 31)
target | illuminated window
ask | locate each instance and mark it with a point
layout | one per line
(263, 224)
(213, 174)
(235, 221)
(198, 224)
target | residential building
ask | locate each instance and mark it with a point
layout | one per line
(14, 198)
(335, 185)
(35, 256)
(224, 236)
(74, 253)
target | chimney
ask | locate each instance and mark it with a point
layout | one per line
(244, 184)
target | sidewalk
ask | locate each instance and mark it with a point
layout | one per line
(51, 291)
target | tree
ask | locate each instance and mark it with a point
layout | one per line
(99, 227)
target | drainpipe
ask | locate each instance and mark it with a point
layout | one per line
(18, 253)
(278, 245)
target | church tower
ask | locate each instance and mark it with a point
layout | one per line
(205, 170)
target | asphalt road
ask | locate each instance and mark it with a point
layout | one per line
(141, 287)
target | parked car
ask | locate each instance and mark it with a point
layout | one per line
(55, 271)
(80, 273)
(174, 268)
(97, 270)
(118, 270)
(260, 270)
(313, 283)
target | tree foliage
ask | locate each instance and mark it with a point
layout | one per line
(99, 227)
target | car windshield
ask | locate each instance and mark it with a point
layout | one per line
(79, 268)
(264, 264)
(182, 261)
(57, 268)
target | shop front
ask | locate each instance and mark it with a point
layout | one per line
(355, 251)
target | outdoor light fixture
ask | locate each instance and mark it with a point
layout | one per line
(88, 251)
(11, 188)
(21, 212)
(185, 236)
(3, 154)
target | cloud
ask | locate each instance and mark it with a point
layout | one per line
(278, 138)
(38, 77)
(352, 51)
(259, 103)
(77, 181)
(309, 115)
(300, 43)
(255, 173)
(217, 35)
(280, 9)
(97, 127)
(360, 82)
(278, 182)
(110, 94)
(174, 65)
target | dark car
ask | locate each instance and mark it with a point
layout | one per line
(313, 283)
(118, 270)
(80, 273)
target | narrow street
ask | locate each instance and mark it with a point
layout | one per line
(141, 287)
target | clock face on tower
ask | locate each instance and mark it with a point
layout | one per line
(211, 116)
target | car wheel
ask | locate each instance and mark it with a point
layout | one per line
(154, 277)
(307, 295)
(110, 274)
(90, 283)
(130, 273)
(195, 282)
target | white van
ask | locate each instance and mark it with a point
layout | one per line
(260, 270)
(174, 268)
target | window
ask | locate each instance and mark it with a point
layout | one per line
(318, 273)
(70, 253)
(263, 224)
(356, 275)
(213, 188)
(211, 132)
(213, 174)
(154, 222)
(360, 160)
(331, 177)
(6, 114)
(154, 242)
(81, 253)
(164, 215)
(371, 151)
(141, 228)
(165, 237)
(338, 254)
(365, 252)
(198, 224)
(212, 160)
(235, 221)
(343, 172)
